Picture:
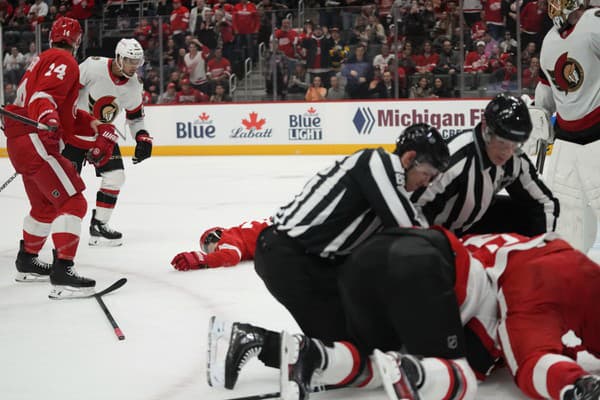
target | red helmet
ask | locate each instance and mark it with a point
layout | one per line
(211, 235)
(66, 29)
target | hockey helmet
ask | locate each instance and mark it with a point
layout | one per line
(427, 142)
(212, 235)
(559, 11)
(130, 50)
(66, 30)
(508, 117)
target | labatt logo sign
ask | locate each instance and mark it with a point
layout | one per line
(202, 127)
(253, 127)
(305, 126)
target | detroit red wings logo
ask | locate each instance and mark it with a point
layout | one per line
(568, 74)
(105, 108)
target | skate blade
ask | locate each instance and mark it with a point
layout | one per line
(103, 242)
(219, 335)
(289, 352)
(61, 292)
(31, 277)
(388, 372)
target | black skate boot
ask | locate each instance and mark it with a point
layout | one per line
(66, 283)
(245, 343)
(103, 235)
(301, 358)
(30, 268)
(585, 388)
(401, 374)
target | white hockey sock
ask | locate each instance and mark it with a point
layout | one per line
(448, 379)
(343, 362)
(103, 214)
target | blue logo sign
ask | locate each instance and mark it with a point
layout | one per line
(363, 120)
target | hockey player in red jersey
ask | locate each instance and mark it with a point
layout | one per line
(47, 94)
(107, 87)
(544, 288)
(570, 84)
(220, 247)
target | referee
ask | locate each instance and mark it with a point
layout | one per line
(483, 162)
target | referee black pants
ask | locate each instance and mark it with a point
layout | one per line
(303, 283)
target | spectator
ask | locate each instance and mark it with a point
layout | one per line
(421, 89)
(415, 29)
(143, 32)
(189, 95)
(180, 20)
(532, 21)
(197, 16)
(375, 31)
(316, 51)
(384, 88)
(448, 62)
(299, 80)
(207, 32)
(528, 52)
(81, 9)
(335, 91)
(30, 54)
(276, 74)
(472, 11)
(226, 7)
(220, 95)
(6, 12)
(270, 7)
(476, 62)
(40, 9)
(14, 65)
(287, 40)
(19, 27)
(495, 18)
(339, 51)
(427, 60)
(246, 23)
(440, 90)
(316, 92)
(382, 61)
(168, 96)
(218, 70)
(224, 31)
(358, 72)
(478, 29)
(164, 7)
(195, 63)
(505, 78)
(508, 44)
(531, 75)
(151, 53)
(10, 93)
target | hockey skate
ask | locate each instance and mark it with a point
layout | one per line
(585, 388)
(103, 235)
(242, 341)
(30, 268)
(401, 374)
(66, 284)
(301, 358)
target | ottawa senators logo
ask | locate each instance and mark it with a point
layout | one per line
(105, 108)
(568, 73)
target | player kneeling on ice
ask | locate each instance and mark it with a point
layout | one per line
(402, 289)
(220, 247)
(48, 92)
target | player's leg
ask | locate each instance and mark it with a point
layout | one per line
(113, 178)
(562, 177)
(588, 163)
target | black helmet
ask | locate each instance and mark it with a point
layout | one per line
(427, 142)
(508, 117)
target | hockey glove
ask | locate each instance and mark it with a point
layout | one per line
(143, 147)
(51, 119)
(102, 149)
(189, 260)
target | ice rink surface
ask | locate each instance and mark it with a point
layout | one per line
(63, 350)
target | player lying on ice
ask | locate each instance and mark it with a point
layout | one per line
(415, 299)
(220, 247)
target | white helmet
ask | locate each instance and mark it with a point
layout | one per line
(559, 11)
(131, 49)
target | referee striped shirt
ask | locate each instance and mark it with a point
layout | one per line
(345, 204)
(463, 193)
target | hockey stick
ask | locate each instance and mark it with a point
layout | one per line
(98, 297)
(26, 120)
(9, 180)
(275, 395)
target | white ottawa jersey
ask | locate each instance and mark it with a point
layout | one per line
(571, 62)
(104, 94)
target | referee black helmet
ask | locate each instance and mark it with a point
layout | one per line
(427, 142)
(508, 117)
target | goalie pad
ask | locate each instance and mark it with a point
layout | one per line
(541, 135)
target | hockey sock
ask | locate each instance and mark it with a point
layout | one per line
(342, 363)
(34, 234)
(447, 379)
(269, 354)
(106, 199)
(67, 229)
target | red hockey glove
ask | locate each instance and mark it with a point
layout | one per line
(102, 149)
(189, 260)
(143, 147)
(51, 119)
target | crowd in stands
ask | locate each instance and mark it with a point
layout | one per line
(354, 49)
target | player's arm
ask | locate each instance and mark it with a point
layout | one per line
(134, 116)
(225, 255)
(543, 94)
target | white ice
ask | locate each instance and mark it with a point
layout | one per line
(63, 350)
